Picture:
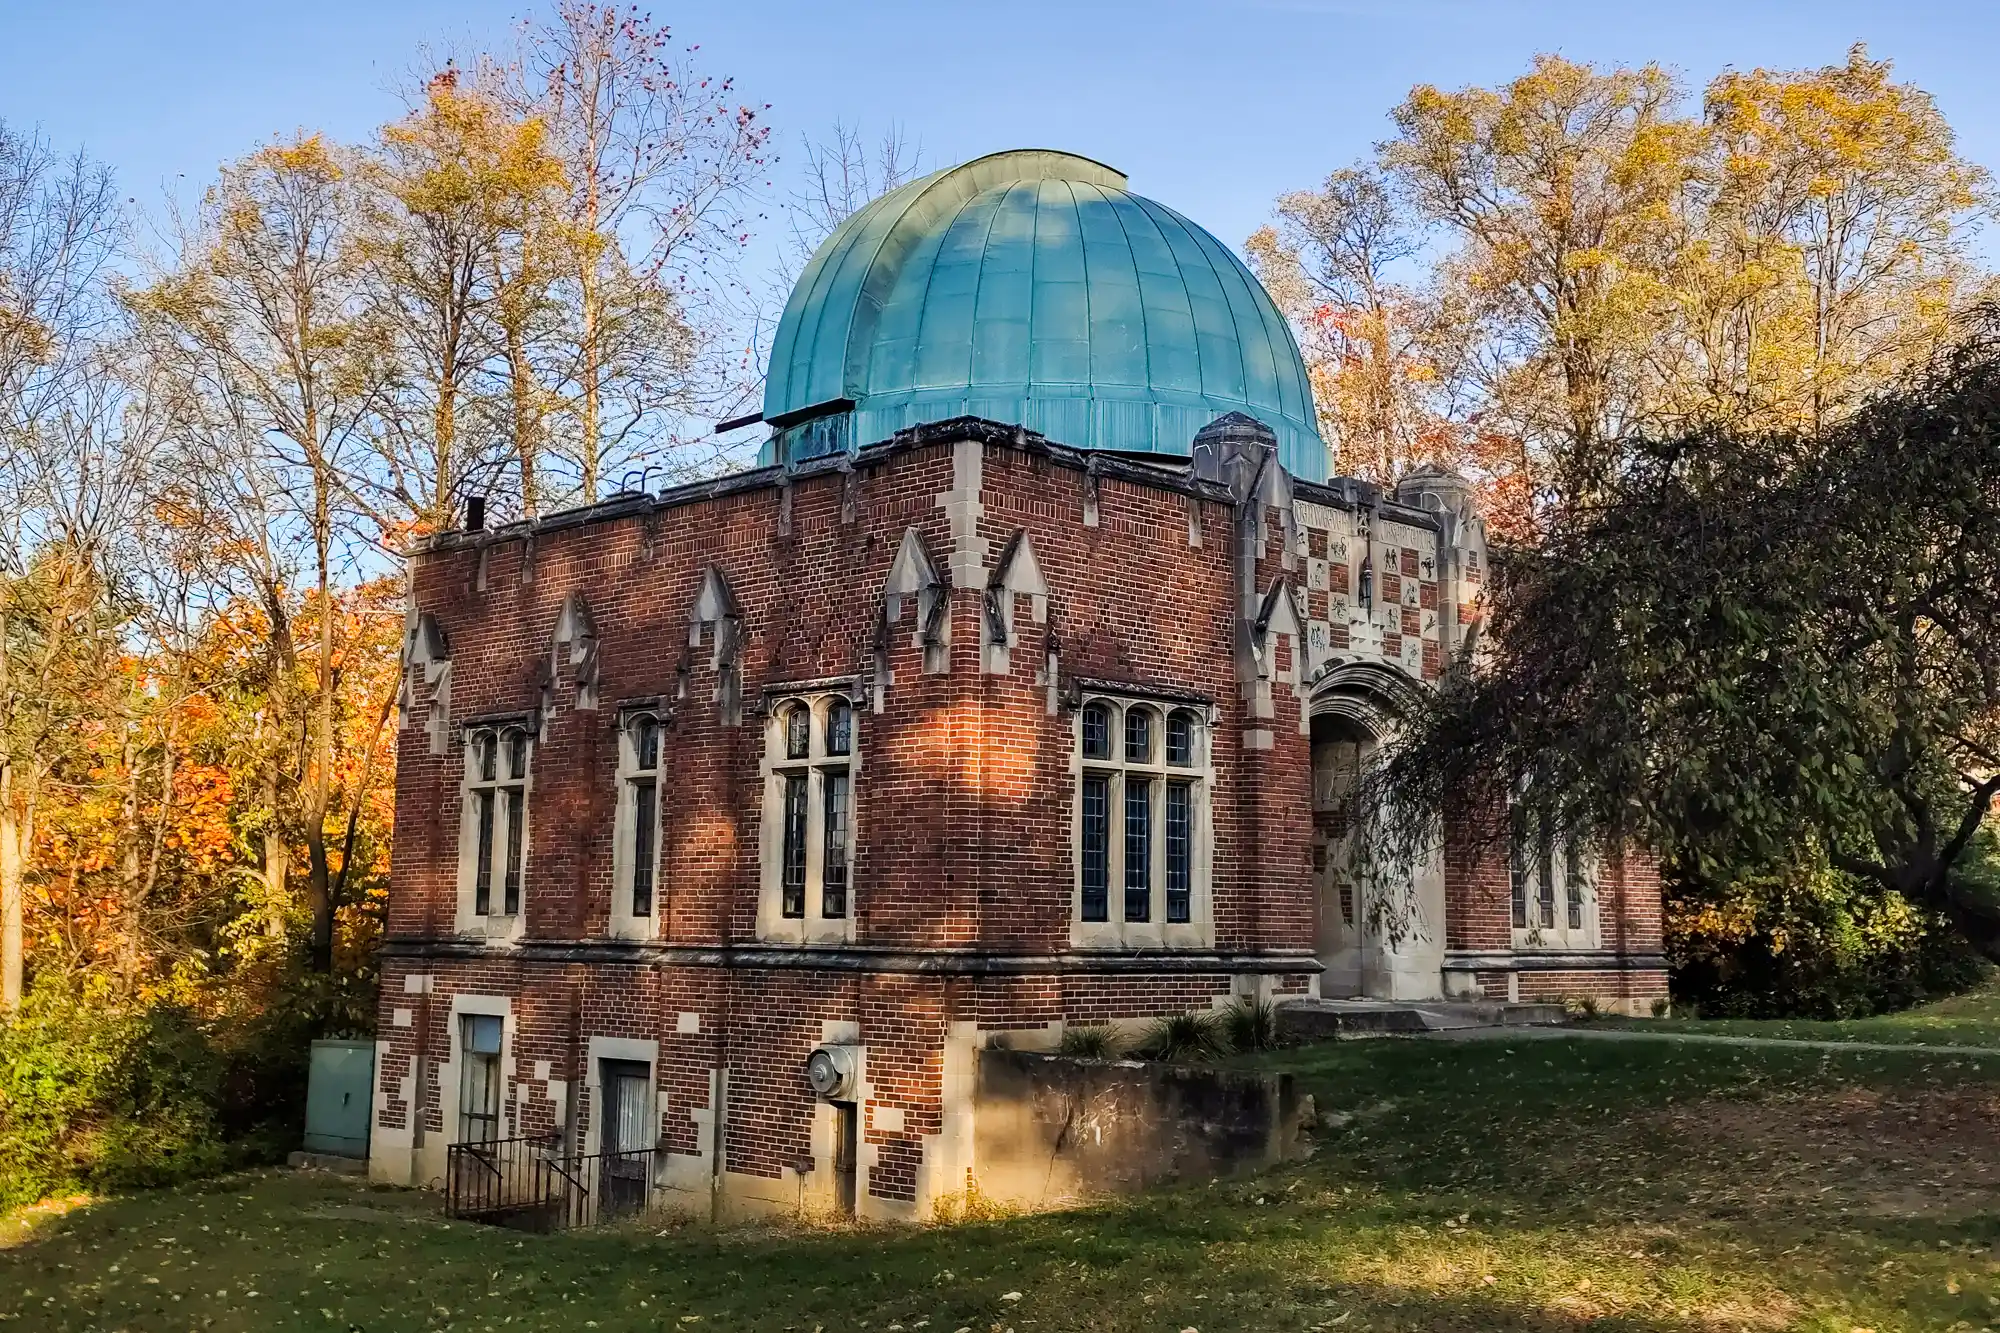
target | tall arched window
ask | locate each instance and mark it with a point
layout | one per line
(809, 812)
(493, 847)
(1143, 837)
(635, 861)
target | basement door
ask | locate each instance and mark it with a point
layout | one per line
(626, 1136)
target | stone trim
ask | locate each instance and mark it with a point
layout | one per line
(817, 685)
(1503, 960)
(849, 958)
(1132, 689)
(528, 718)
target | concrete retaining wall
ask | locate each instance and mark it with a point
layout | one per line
(1051, 1130)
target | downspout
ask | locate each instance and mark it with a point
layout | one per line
(719, 1132)
(573, 1095)
(718, 1137)
(421, 1096)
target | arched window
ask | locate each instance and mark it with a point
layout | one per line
(493, 850)
(1138, 735)
(809, 805)
(1182, 730)
(839, 727)
(798, 731)
(1097, 731)
(1142, 824)
(1552, 888)
(636, 860)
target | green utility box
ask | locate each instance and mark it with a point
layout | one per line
(338, 1097)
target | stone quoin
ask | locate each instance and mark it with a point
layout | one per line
(1022, 687)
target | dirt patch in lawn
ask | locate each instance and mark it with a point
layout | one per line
(17, 1225)
(1919, 1153)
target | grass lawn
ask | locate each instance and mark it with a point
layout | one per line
(1972, 1019)
(1495, 1185)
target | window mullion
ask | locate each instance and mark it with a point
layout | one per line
(1157, 835)
(1114, 836)
(815, 840)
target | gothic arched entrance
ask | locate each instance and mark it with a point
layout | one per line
(1380, 924)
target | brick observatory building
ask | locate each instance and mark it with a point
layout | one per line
(1021, 688)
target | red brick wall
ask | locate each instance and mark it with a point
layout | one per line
(963, 797)
(964, 794)
(1479, 917)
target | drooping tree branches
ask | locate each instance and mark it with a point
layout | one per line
(1745, 645)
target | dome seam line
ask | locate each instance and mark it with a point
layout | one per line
(1242, 357)
(924, 306)
(979, 291)
(1194, 325)
(1145, 323)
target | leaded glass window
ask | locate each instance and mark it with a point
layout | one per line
(496, 803)
(1096, 848)
(639, 813)
(813, 750)
(1180, 849)
(1141, 822)
(1138, 849)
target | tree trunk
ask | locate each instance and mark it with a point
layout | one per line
(319, 896)
(444, 427)
(151, 878)
(592, 300)
(275, 872)
(11, 912)
(128, 944)
(521, 379)
(319, 884)
(275, 864)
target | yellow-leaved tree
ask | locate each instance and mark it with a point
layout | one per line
(1837, 239)
(1568, 192)
(278, 369)
(457, 197)
(1603, 256)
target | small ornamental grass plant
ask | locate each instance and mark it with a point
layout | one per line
(1584, 1007)
(1089, 1043)
(1251, 1025)
(1179, 1038)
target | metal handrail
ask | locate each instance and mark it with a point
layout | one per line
(484, 1159)
(529, 1182)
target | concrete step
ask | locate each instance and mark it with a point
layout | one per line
(326, 1161)
(1309, 1020)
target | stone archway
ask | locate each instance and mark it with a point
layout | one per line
(1380, 928)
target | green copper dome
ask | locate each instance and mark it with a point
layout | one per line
(1032, 288)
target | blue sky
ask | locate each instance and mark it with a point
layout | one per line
(1213, 108)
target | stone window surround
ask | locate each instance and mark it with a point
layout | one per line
(496, 924)
(623, 924)
(1198, 932)
(629, 1050)
(773, 926)
(1524, 876)
(448, 1087)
